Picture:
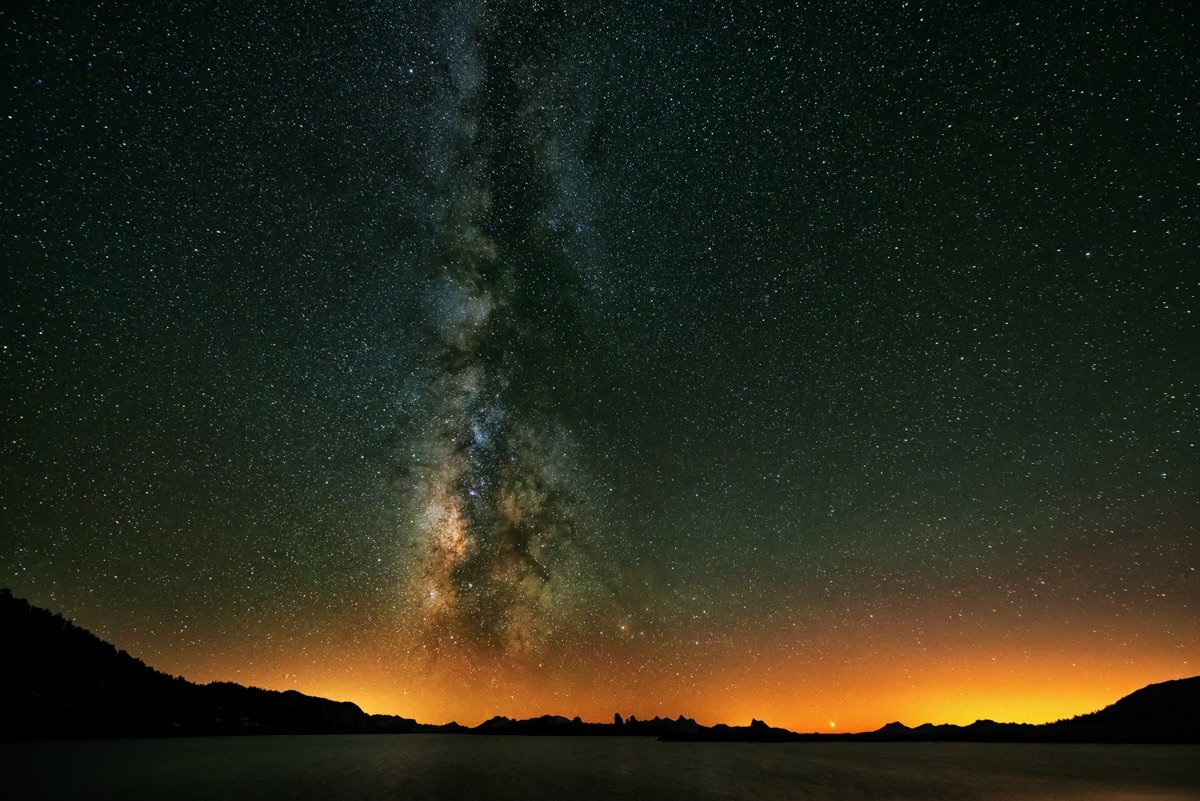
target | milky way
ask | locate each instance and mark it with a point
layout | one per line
(494, 511)
(795, 361)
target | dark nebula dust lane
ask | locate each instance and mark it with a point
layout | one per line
(497, 517)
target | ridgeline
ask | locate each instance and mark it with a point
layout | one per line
(60, 681)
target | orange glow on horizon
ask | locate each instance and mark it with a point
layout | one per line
(862, 691)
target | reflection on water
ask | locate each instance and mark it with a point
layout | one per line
(459, 767)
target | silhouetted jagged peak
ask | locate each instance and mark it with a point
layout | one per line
(895, 727)
(498, 720)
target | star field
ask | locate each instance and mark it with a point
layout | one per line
(732, 360)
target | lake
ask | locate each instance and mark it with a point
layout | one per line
(435, 766)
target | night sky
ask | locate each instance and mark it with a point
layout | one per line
(830, 365)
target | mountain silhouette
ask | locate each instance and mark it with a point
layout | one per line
(58, 680)
(1165, 712)
(1159, 713)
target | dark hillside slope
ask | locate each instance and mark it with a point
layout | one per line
(58, 680)
(1168, 712)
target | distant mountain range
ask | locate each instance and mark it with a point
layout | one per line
(60, 681)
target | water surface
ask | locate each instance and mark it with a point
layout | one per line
(435, 766)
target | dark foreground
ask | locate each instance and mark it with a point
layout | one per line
(433, 766)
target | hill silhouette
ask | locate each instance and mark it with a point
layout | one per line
(58, 680)
(1159, 713)
(1165, 712)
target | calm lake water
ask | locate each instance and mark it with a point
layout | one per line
(462, 768)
